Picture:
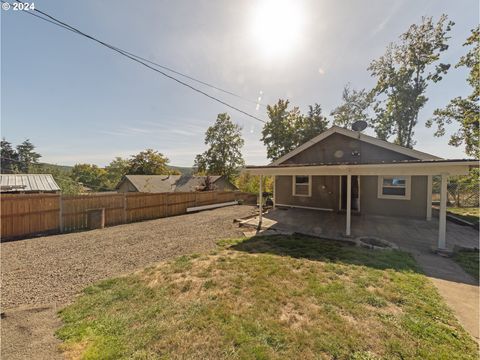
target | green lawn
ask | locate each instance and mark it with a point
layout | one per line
(471, 214)
(279, 297)
(468, 260)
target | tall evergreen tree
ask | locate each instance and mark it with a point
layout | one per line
(9, 158)
(27, 157)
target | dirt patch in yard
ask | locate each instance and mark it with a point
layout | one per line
(43, 274)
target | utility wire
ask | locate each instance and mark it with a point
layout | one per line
(135, 58)
(256, 102)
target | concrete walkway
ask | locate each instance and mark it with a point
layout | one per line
(460, 290)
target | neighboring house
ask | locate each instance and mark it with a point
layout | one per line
(172, 183)
(28, 184)
(344, 170)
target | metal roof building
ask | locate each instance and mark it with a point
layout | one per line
(28, 183)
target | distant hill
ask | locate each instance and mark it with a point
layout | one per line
(63, 168)
(183, 170)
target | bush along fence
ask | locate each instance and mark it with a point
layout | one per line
(25, 215)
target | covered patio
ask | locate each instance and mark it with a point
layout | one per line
(432, 232)
(413, 235)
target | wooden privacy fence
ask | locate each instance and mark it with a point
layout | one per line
(23, 215)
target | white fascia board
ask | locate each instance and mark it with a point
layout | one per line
(362, 137)
(454, 168)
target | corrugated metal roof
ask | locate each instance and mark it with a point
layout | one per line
(168, 183)
(27, 183)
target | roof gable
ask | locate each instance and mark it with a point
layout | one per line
(360, 137)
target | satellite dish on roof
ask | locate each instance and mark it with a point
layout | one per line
(359, 125)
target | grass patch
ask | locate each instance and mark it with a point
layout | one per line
(278, 297)
(468, 260)
(471, 214)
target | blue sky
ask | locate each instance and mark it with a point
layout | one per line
(80, 102)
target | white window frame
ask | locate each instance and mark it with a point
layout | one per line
(408, 181)
(294, 186)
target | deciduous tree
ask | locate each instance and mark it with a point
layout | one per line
(117, 169)
(310, 125)
(287, 129)
(149, 162)
(403, 74)
(465, 111)
(223, 156)
(90, 175)
(251, 183)
(354, 107)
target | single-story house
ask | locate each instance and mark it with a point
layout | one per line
(28, 184)
(347, 171)
(172, 183)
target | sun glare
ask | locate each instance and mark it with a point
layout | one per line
(277, 27)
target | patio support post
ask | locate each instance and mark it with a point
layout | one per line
(442, 228)
(429, 197)
(349, 203)
(260, 202)
(273, 194)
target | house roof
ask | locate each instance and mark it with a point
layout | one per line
(471, 162)
(362, 137)
(168, 183)
(27, 183)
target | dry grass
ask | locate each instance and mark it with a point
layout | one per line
(268, 298)
(471, 214)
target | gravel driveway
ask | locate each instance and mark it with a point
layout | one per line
(41, 275)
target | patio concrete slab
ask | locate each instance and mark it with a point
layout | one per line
(413, 235)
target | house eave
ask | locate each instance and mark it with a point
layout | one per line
(407, 168)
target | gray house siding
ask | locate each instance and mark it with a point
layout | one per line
(416, 207)
(325, 150)
(326, 195)
(223, 184)
(126, 186)
(324, 192)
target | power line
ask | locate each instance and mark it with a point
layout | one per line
(136, 59)
(160, 65)
(256, 102)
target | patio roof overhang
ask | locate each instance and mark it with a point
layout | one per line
(442, 167)
(420, 167)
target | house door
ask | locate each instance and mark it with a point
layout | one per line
(355, 193)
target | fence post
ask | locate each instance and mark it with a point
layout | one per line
(124, 208)
(165, 204)
(60, 212)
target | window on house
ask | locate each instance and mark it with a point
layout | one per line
(394, 187)
(302, 185)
